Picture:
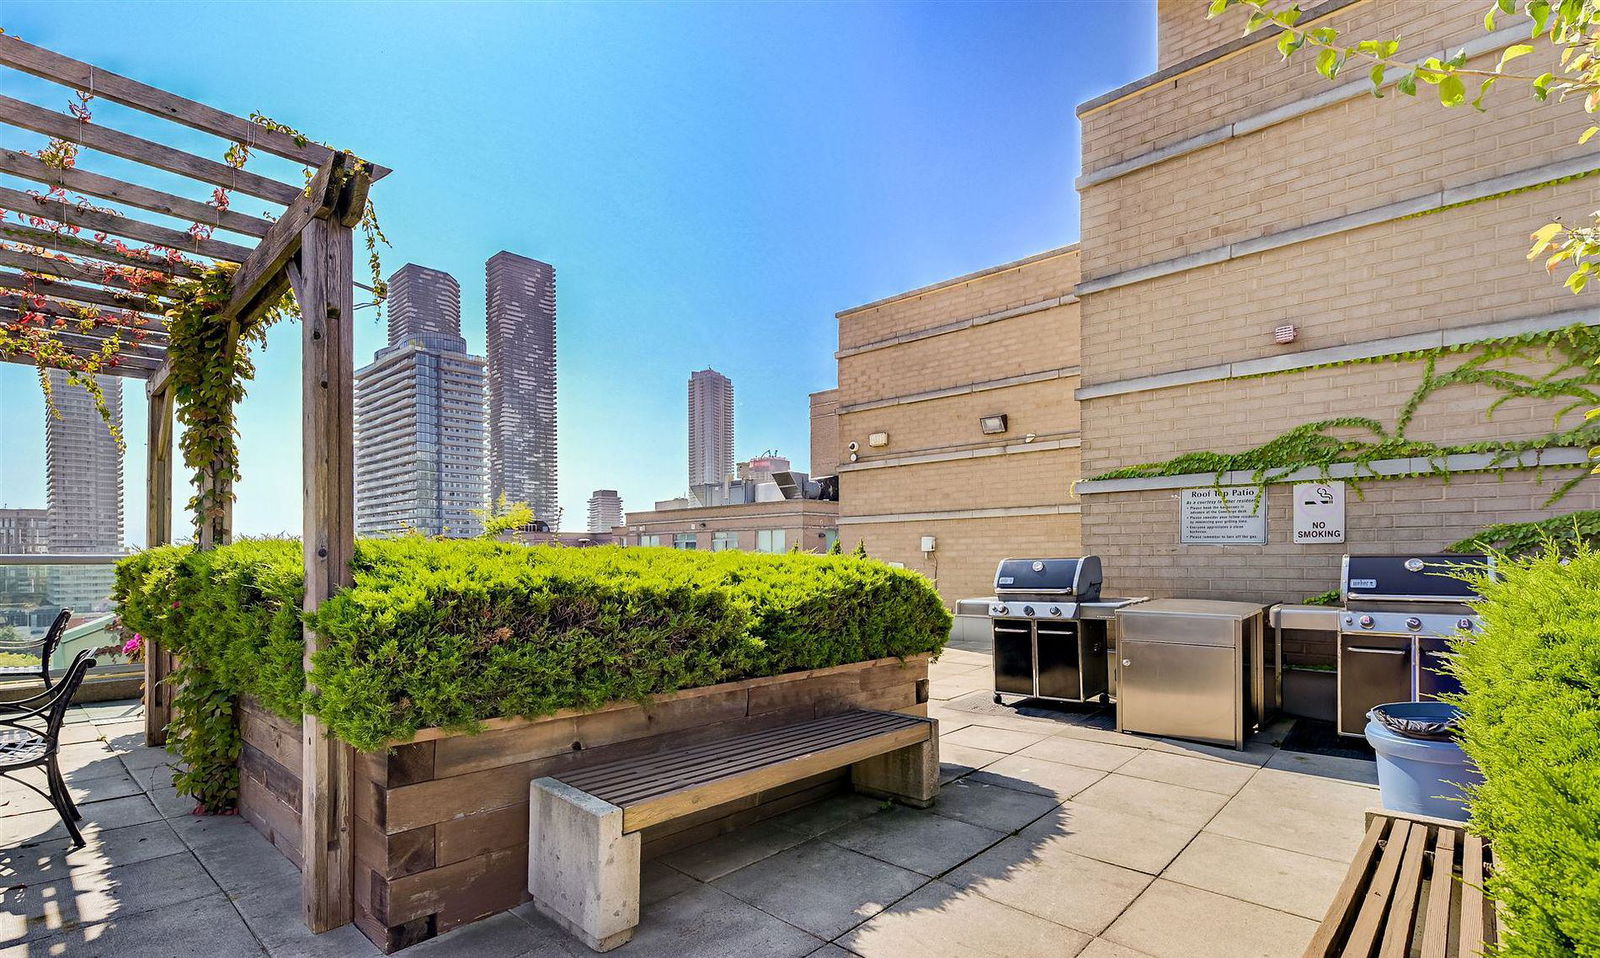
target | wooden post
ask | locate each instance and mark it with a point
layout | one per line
(158, 532)
(324, 290)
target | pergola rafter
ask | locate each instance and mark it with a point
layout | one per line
(67, 277)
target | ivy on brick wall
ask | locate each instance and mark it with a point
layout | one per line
(1570, 380)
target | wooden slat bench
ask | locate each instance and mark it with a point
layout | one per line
(1415, 887)
(583, 843)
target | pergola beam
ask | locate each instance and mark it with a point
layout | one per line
(28, 167)
(69, 269)
(23, 301)
(94, 249)
(78, 75)
(45, 286)
(261, 276)
(70, 214)
(158, 523)
(20, 113)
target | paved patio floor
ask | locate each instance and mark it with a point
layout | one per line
(1053, 837)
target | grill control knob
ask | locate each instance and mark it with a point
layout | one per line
(1465, 624)
(1055, 610)
(997, 609)
(1413, 623)
(1027, 610)
(1366, 622)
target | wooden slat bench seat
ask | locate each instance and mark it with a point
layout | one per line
(583, 844)
(1414, 888)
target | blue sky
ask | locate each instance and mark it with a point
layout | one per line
(712, 182)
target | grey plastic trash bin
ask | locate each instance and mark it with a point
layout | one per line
(1421, 775)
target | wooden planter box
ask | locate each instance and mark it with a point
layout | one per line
(441, 819)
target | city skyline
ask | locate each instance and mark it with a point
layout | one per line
(706, 199)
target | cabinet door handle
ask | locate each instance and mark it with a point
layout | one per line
(1126, 663)
(1372, 651)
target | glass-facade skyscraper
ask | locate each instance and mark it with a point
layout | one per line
(521, 344)
(420, 416)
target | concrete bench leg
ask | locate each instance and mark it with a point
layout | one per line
(908, 775)
(583, 872)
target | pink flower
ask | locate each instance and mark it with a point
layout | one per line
(134, 645)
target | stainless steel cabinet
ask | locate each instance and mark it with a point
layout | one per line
(1373, 670)
(1190, 668)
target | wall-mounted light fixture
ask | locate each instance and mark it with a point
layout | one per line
(993, 425)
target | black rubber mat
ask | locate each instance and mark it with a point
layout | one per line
(1317, 737)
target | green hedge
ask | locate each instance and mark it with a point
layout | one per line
(1532, 724)
(448, 633)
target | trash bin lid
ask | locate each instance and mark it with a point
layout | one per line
(1430, 721)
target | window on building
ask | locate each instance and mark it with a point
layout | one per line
(685, 540)
(723, 541)
(830, 538)
(649, 540)
(770, 540)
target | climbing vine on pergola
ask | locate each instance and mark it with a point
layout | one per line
(102, 276)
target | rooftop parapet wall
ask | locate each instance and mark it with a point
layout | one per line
(1246, 76)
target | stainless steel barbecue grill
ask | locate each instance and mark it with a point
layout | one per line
(1400, 613)
(1054, 636)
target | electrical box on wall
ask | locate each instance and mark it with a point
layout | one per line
(878, 439)
(928, 543)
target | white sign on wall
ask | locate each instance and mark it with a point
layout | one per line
(1231, 515)
(1318, 512)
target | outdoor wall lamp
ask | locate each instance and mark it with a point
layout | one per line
(993, 425)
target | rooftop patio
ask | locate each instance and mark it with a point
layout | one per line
(1053, 836)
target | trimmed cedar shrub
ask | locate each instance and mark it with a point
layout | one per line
(1532, 724)
(449, 633)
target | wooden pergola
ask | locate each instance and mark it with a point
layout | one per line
(308, 247)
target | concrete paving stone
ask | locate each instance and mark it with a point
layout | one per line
(82, 761)
(1209, 776)
(203, 928)
(1084, 754)
(964, 657)
(707, 922)
(66, 904)
(120, 710)
(168, 802)
(1331, 831)
(97, 817)
(1037, 775)
(1275, 877)
(501, 936)
(940, 921)
(272, 912)
(990, 805)
(1175, 921)
(110, 781)
(659, 881)
(958, 760)
(712, 859)
(948, 668)
(54, 858)
(916, 839)
(829, 951)
(821, 887)
(954, 686)
(1159, 800)
(1112, 835)
(950, 719)
(830, 813)
(238, 857)
(79, 732)
(992, 739)
(1043, 879)
(1357, 771)
(1256, 751)
(1102, 948)
(139, 759)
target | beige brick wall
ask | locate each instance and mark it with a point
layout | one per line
(967, 549)
(824, 433)
(1257, 80)
(948, 426)
(1184, 31)
(1453, 269)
